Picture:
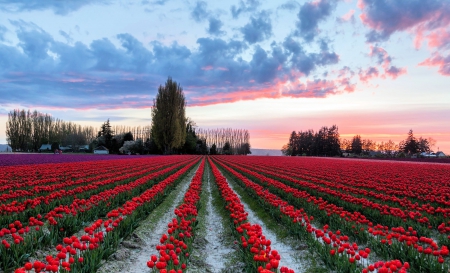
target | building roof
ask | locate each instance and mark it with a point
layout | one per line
(46, 147)
(101, 148)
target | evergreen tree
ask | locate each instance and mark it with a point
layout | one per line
(410, 145)
(213, 149)
(356, 145)
(107, 135)
(246, 149)
(226, 150)
(168, 117)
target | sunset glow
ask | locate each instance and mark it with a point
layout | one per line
(376, 68)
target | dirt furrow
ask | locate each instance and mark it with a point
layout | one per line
(213, 249)
(290, 257)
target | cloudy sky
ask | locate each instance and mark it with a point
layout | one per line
(373, 67)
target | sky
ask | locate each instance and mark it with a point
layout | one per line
(376, 68)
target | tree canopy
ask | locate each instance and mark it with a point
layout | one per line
(168, 117)
(324, 142)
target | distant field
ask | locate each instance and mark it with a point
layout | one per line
(425, 160)
(28, 159)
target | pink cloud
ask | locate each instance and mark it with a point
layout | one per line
(281, 88)
(73, 80)
(439, 38)
(438, 60)
(385, 63)
(348, 16)
(427, 21)
(395, 72)
(368, 74)
(207, 68)
(210, 67)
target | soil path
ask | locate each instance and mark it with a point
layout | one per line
(134, 252)
(212, 247)
(289, 255)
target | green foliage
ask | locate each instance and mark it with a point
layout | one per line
(55, 146)
(190, 144)
(226, 150)
(128, 136)
(356, 146)
(168, 117)
(106, 135)
(324, 142)
(213, 150)
(150, 147)
(410, 145)
(245, 149)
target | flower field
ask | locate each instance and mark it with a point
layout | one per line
(334, 215)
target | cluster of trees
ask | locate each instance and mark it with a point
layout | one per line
(324, 142)
(172, 132)
(226, 140)
(357, 145)
(27, 131)
(411, 145)
(138, 132)
(123, 141)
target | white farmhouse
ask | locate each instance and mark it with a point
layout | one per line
(102, 150)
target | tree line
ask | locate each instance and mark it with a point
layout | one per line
(27, 131)
(327, 142)
(226, 140)
(171, 132)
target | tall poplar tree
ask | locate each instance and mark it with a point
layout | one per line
(168, 117)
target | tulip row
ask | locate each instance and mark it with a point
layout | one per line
(176, 244)
(84, 253)
(334, 247)
(257, 249)
(65, 220)
(362, 229)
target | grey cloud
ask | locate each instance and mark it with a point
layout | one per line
(215, 27)
(200, 13)
(289, 5)
(258, 29)
(3, 30)
(310, 14)
(247, 6)
(66, 36)
(103, 75)
(308, 62)
(386, 17)
(58, 7)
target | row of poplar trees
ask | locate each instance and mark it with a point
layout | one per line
(27, 131)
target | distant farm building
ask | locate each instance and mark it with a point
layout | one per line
(102, 150)
(45, 147)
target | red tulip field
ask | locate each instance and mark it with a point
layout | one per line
(192, 214)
